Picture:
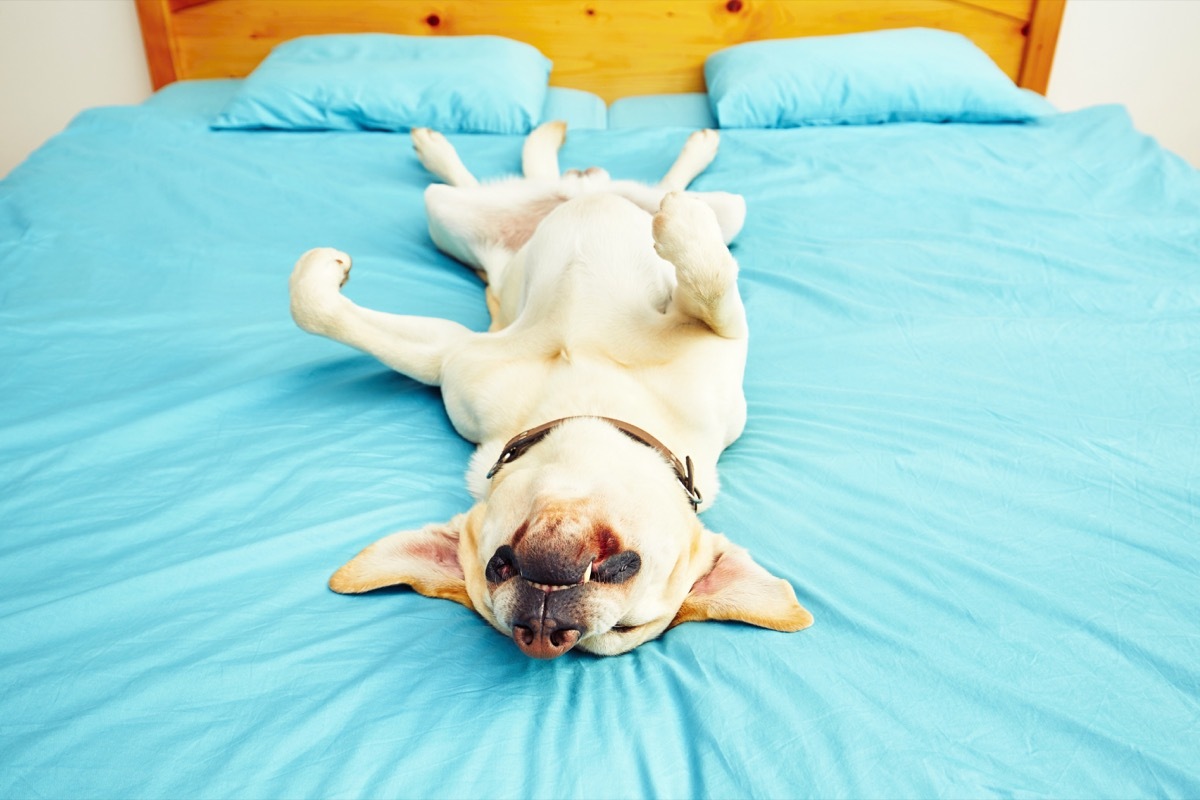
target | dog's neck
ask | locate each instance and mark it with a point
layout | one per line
(595, 448)
(522, 442)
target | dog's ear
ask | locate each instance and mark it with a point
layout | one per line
(426, 559)
(736, 588)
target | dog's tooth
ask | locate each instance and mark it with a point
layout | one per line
(554, 587)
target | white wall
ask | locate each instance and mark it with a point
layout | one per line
(58, 57)
(1144, 54)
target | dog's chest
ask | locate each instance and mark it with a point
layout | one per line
(499, 384)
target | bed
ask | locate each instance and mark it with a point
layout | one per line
(972, 447)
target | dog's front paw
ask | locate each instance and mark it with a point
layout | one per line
(686, 231)
(315, 288)
(687, 234)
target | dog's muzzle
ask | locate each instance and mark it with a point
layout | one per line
(546, 625)
(551, 595)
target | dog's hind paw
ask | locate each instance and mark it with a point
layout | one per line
(437, 155)
(702, 145)
(697, 153)
(426, 141)
(432, 149)
(552, 133)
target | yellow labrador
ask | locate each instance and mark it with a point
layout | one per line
(600, 400)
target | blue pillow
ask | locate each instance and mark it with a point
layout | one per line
(377, 81)
(579, 109)
(907, 75)
(683, 110)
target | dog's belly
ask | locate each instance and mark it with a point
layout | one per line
(592, 336)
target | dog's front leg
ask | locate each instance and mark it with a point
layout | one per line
(415, 346)
(687, 234)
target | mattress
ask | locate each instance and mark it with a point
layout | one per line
(974, 405)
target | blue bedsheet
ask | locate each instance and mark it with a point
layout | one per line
(974, 392)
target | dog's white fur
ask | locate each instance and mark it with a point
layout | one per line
(609, 299)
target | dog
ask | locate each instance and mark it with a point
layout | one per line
(618, 340)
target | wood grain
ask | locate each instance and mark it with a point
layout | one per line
(154, 17)
(614, 48)
(1039, 51)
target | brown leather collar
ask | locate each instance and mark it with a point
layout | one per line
(517, 446)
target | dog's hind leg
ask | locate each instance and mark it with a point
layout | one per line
(438, 156)
(698, 152)
(539, 155)
(415, 346)
(687, 234)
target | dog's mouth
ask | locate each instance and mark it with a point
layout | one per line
(551, 575)
(558, 587)
(551, 602)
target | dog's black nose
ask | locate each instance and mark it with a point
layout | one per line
(544, 637)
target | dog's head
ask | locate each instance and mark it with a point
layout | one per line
(587, 542)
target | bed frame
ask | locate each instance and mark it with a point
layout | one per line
(614, 48)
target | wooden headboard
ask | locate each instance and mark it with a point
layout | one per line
(613, 48)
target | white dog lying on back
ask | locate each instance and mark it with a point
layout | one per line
(618, 339)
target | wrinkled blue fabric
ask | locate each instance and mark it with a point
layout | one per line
(974, 405)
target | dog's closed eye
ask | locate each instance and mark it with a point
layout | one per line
(502, 566)
(618, 568)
